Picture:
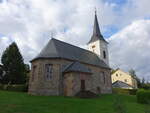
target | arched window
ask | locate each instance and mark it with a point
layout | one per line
(104, 54)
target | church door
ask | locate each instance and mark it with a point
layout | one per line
(82, 85)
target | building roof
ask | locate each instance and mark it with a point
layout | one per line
(114, 71)
(120, 84)
(59, 49)
(96, 32)
(76, 67)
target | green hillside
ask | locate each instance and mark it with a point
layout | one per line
(14, 102)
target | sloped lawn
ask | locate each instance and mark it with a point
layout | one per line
(14, 102)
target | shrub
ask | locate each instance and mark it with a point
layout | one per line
(132, 91)
(120, 91)
(124, 91)
(20, 88)
(143, 96)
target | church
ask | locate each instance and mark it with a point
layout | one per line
(64, 69)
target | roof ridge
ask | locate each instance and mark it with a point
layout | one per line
(55, 47)
(77, 47)
(73, 45)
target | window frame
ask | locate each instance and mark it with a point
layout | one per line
(104, 78)
(116, 75)
(104, 54)
(33, 72)
(48, 71)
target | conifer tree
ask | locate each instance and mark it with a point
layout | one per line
(13, 65)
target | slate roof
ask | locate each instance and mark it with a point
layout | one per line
(59, 49)
(120, 84)
(96, 32)
(77, 67)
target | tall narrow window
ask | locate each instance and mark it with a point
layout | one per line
(104, 54)
(33, 72)
(104, 79)
(48, 71)
(82, 85)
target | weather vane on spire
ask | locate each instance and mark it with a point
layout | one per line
(52, 34)
(95, 11)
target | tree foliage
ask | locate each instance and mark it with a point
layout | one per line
(133, 73)
(13, 65)
(1, 72)
(141, 83)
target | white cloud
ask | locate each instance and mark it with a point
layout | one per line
(30, 23)
(4, 42)
(130, 47)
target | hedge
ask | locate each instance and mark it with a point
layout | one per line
(143, 96)
(124, 91)
(14, 87)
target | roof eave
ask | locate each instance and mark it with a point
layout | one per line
(77, 72)
(70, 60)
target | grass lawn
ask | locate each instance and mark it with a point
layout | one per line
(14, 102)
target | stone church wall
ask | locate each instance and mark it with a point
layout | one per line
(72, 82)
(98, 84)
(41, 86)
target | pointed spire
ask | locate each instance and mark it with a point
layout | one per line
(95, 11)
(96, 30)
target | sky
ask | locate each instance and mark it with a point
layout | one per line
(125, 24)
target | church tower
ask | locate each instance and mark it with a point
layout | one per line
(97, 43)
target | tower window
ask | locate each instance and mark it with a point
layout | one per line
(104, 54)
(93, 46)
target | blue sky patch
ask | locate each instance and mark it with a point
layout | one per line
(1, 35)
(147, 18)
(110, 30)
(118, 2)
